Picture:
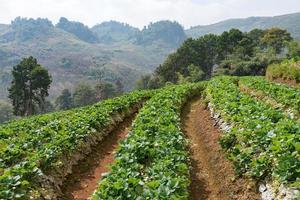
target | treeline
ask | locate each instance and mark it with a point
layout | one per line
(231, 53)
(84, 94)
(169, 32)
(31, 83)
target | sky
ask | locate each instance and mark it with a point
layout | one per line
(141, 12)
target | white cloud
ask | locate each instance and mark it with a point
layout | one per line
(141, 12)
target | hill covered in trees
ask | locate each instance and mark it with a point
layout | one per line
(109, 51)
(74, 53)
(233, 52)
(290, 22)
(113, 31)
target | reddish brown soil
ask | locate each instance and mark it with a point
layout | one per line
(85, 176)
(212, 175)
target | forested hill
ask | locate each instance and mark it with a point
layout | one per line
(110, 51)
(291, 22)
(74, 52)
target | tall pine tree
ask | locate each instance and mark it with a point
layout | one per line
(29, 86)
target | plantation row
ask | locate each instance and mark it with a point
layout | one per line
(283, 94)
(263, 143)
(37, 153)
(152, 163)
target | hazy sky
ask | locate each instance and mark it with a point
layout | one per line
(141, 12)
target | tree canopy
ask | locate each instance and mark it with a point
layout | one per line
(84, 95)
(65, 100)
(232, 53)
(29, 86)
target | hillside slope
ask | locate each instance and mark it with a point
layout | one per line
(72, 52)
(291, 22)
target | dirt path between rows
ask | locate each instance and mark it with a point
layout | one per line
(212, 175)
(85, 176)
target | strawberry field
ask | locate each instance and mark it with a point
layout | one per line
(153, 161)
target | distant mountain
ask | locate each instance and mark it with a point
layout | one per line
(78, 29)
(162, 31)
(22, 30)
(113, 31)
(73, 52)
(112, 50)
(291, 22)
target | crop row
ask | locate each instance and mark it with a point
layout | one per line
(263, 143)
(152, 163)
(288, 96)
(38, 152)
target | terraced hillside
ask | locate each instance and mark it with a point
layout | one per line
(227, 138)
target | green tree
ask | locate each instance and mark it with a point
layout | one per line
(119, 87)
(294, 49)
(65, 100)
(255, 35)
(276, 38)
(84, 95)
(105, 90)
(143, 82)
(29, 86)
(6, 111)
(195, 73)
(149, 82)
(46, 107)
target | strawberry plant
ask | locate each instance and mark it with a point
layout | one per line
(152, 163)
(283, 94)
(34, 151)
(263, 143)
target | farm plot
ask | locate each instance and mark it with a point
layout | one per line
(284, 96)
(152, 163)
(262, 142)
(160, 158)
(38, 152)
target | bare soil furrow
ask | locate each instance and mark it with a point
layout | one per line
(85, 176)
(212, 175)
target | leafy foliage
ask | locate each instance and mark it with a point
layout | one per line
(105, 91)
(287, 70)
(276, 38)
(152, 162)
(231, 53)
(283, 94)
(65, 100)
(294, 49)
(263, 142)
(84, 95)
(34, 149)
(6, 112)
(29, 87)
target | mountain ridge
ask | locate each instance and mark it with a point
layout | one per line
(291, 22)
(74, 52)
(71, 57)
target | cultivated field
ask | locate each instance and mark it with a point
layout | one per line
(227, 138)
